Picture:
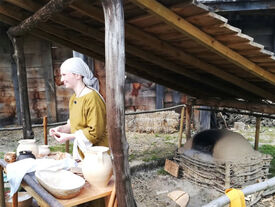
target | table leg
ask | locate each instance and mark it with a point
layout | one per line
(15, 200)
(2, 188)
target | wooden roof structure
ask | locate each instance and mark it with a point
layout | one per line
(180, 44)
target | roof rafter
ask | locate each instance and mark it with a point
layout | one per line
(82, 28)
(155, 43)
(187, 28)
(51, 33)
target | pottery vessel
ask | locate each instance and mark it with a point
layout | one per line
(43, 150)
(27, 145)
(24, 155)
(97, 166)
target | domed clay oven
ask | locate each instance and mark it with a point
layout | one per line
(222, 159)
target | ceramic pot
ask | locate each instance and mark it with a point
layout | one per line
(24, 155)
(43, 150)
(27, 145)
(97, 166)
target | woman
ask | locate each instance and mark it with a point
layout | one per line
(87, 110)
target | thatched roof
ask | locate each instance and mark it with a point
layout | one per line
(182, 45)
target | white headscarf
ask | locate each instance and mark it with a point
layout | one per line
(78, 66)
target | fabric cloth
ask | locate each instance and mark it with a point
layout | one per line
(88, 122)
(17, 170)
(236, 197)
(78, 66)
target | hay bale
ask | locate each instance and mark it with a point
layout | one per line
(158, 122)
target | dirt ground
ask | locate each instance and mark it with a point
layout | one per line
(151, 187)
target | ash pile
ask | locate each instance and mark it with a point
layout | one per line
(221, 159)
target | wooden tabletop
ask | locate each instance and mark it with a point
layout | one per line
(88, 193)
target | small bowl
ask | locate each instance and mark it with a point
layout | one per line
(24, 200)
(62, 184)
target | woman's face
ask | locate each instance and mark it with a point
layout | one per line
(68, 79)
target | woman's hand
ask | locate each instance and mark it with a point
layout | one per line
(54, 130)
(63, 137)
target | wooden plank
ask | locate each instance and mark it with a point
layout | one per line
(206, 19)
(88, 193)
(172, 168)
(182, 25)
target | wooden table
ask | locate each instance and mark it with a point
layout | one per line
(88, 193)
(45, 199)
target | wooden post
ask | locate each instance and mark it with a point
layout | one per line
(45, 130)
(257, 132)
(188, 121)
(67, 146)
(48, 74)
(181, 127)
(23, 86)
(115, 79)
(2, 188)
(15, 200)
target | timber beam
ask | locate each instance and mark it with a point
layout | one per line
(42, 15)
(179, 23)
(248, 106)
(70, 23)
(161, 46)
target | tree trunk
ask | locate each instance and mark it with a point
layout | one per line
(23, 87)
(115, 75)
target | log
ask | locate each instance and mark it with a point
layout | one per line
(115, 75)
(249, 106)
(42, 15)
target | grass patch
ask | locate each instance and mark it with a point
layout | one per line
(269, 149)
(161, 171)
(131, 157)
(2, 155)
(61, 148)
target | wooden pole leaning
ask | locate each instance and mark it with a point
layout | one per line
(23, 86)
(181, 127)
(188, 121)
(257, 132)
(45, 122)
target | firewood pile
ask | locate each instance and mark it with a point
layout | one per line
(223, 174)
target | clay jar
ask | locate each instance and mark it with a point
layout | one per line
(97, 166)
(27, 145)
(44, 150)
(24, 155)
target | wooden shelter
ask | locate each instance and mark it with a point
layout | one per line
(177, 43)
